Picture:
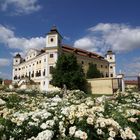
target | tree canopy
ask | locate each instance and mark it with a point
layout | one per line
(1, 80)
(93, 72)
(68, 72)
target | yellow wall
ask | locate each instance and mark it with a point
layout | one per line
(102, 85)
(105, 65)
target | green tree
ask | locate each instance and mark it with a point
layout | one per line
(1, 81)
(93, 72)
(68, 72)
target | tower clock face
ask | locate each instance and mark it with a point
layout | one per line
(51, 39)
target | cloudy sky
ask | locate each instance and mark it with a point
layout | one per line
(93, 25)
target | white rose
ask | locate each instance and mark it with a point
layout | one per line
(99, 132)
(90, 120)
(72, 130)
(43, 126)
(102, 124)
(110, 138)
(112, 134)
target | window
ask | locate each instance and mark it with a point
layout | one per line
(16, 61)
(15, 77)
(82, 62)
(38, 73)
(44, 72)
(32, 75)
(45, 60)
(40, 61)
(101, 66)
(51, 39)
(44, 83)
(106, 67)
(111, 67)
(110, 57)
(106, 74)
(111, 75)
(51, 69)
(29, 75)
(37, 62)
(19, 69)
(51, 55)
(15, 69)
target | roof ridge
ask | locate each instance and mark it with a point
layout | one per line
(65, 45)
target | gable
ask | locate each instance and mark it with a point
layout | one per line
(32, 53)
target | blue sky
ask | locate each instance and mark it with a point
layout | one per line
(94, 25)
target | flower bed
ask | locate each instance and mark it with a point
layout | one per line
(71, 116)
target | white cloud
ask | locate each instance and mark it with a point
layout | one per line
(5, 34)
(4, 62)
(133, 67)
(7, 37)
(87, 43)
(20, 6)
(66, 38)
(104, 36)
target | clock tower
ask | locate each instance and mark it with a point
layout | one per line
(110, 57)
(53, 38)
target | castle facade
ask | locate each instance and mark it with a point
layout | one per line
(38, 64)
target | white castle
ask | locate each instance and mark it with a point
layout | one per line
(38, 64)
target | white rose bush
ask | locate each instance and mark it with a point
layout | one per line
(30, 115)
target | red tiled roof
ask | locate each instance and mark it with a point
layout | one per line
(131, 82)
(82, 52)
(7, 82)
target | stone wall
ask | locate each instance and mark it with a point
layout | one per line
(103, 85)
